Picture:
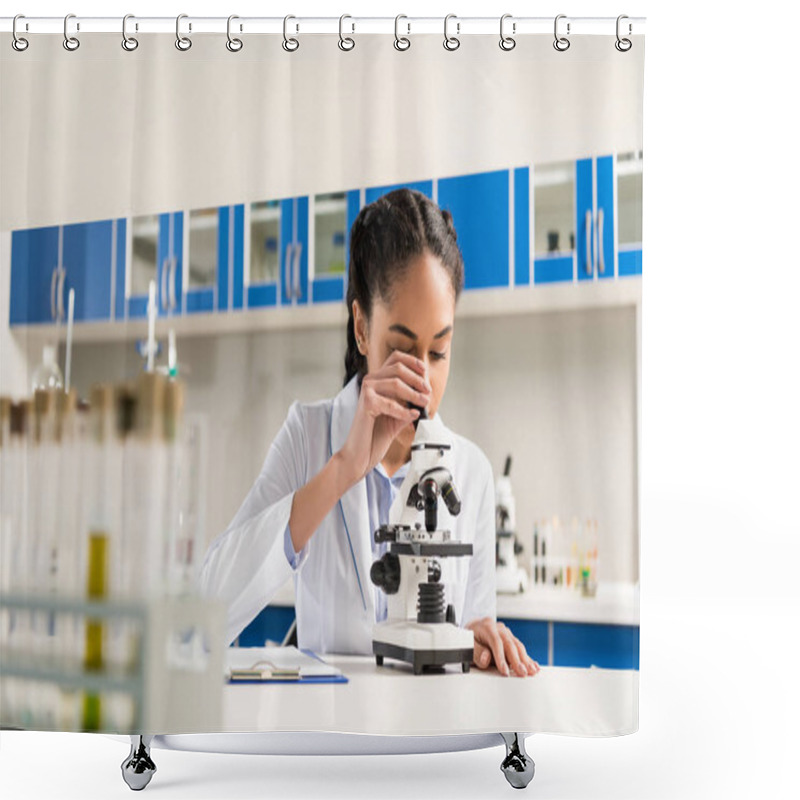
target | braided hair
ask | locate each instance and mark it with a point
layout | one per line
(386, 236)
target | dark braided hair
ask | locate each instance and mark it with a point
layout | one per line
(386, 236)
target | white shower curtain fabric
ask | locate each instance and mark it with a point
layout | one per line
(234, 181)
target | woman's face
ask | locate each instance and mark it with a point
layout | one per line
(418, 320)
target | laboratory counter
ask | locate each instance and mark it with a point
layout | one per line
(391, 700)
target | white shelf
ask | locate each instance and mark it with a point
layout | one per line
(472, 304)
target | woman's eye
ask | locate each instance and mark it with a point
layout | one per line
(438, 356)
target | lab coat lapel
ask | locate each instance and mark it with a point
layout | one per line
(354, 501)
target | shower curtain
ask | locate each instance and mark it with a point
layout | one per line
(181, 209)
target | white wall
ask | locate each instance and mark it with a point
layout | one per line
(557, 391)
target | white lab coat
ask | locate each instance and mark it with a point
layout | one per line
(334, 597)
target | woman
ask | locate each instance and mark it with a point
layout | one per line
(335, 466)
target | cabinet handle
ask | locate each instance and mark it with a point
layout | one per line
(173, 266)
(53, 278)
(62, 276)
(287, 273)
(588, 242)
(601, 263)
(298, 249)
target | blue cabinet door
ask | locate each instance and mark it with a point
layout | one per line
(209, 232)
(294, 231)
(159, 241)
(479, 204)
(584, 218)
(332, 232)
(604, 218)
(592, 645)
(89, 263)
(46, 263)
(34, 276)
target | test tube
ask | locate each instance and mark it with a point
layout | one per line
(97, 545)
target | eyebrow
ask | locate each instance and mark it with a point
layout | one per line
(411, 335)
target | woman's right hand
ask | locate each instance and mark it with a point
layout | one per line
(383, 411)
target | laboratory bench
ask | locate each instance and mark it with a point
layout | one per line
(558, 627)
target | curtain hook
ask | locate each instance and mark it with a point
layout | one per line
(233, 44)
(623, 45)
(70, 42)
(401, 42)
(561, 43)
(17, 42)
(129, 43)
(346, 43)
(182, 42)
(451, 42)
(507, 42)
(289, 48)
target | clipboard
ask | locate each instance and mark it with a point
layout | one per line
(273, 665)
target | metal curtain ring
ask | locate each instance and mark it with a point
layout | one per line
(233, 44)
(129, 43)
(507, 42)
(401, 42)
(70, 42)
(451, 42)
(182, 42)
(17, 42)
(289, 44)
(623, 45)
(561, 43)
(345, 42)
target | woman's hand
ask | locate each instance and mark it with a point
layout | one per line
(383, 411)
(494, 643)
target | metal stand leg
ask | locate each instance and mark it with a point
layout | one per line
(517, 766)
(138, 768)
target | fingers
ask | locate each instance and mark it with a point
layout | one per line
(415, 364)
(490, 637)
(482, 656)
(377, 404)
(516, 653)
(398, 389)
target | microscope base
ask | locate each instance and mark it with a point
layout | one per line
(423, 644)
(419, 659)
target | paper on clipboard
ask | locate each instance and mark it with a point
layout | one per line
(275, 663)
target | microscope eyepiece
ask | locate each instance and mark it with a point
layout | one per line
(423, 414)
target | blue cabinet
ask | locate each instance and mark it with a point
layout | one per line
(47, 262)
(154, 245)
(586, 219)
(273, 261)
(479, 204)
(330, 218)
(577, 644)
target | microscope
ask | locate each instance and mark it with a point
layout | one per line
(419, 629)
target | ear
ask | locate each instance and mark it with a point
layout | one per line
(360, 328)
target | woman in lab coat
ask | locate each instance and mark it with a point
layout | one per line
(334, 468)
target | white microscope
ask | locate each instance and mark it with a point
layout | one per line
(511, 578)
(419, 629)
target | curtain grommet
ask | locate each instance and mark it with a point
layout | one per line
(401, 43)
(507, 43)
(19, 43)
(561, 43)
(346, 43)
(183, 43)
(451, 43)
(71, 43)
(233, 44)
(129, 43)
(623, 44)
(290, 44)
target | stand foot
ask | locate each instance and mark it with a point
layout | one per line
(517, 766)
(138, 768)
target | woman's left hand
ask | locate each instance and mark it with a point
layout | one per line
(494, 643)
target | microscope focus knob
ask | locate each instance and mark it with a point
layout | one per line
(385, 573)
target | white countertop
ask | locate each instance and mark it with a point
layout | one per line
(614, 604)
(391, 700)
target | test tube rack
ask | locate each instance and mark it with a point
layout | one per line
(175, 682)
